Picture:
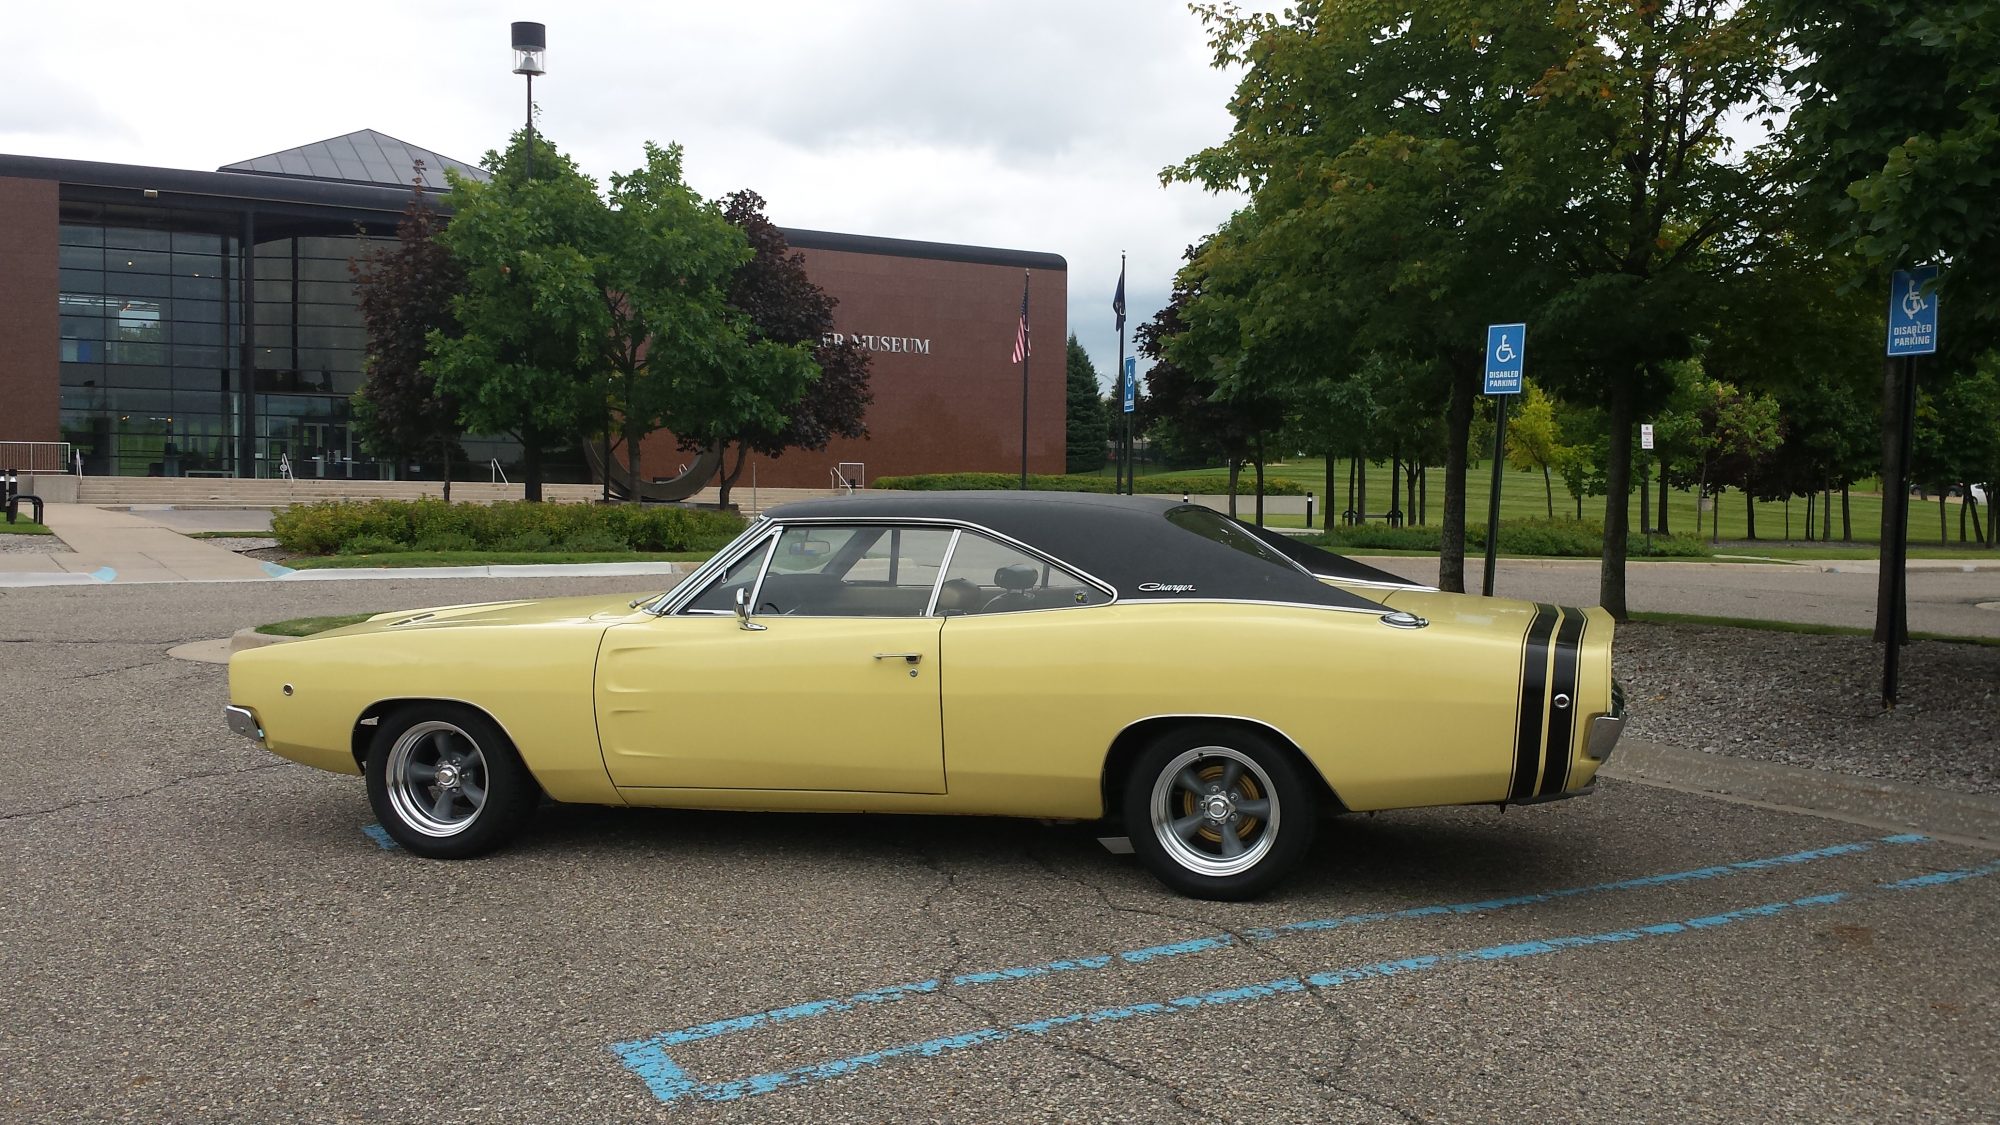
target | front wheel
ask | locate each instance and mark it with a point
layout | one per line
(1219, 812)
(446, 783)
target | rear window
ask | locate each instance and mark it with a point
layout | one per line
(1211, 524)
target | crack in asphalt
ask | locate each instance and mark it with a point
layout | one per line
(163, 786)
(950, 884)
(1328, 1007)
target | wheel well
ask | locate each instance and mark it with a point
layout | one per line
(366, 723)
(1132, 740)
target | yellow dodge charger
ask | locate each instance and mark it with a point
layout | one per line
(1215, 687)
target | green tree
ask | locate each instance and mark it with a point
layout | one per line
(1397, 206)
(532, 315)
(1084, 413)
(1532, 440)
(784, 307)
(405, 291)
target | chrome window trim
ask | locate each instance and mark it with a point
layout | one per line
(691, 588)
(1375, 585)
(1375, 612)
(1106, 588)
(944, 568)
(684, 592)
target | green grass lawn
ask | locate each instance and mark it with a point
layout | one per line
(23, 526)
(489, 558)
(1522, 497)
(307, 626)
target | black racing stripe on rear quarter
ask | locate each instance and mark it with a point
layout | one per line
(1534, 693)
(1562, 720)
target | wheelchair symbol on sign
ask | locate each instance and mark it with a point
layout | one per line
(1912, 302)
(1505, 353)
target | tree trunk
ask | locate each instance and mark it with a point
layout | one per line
(1424, 494)
(1618, 499)
(1326, 507)
(1361, 495)
(633, 438)
(447, 472)
(1750, 514)
(1350, 490)
(1260, 480)
(1645, 494)
(1235, 470)
(1846, 516)
(728, 479)
(1664, 530)
(1465, 378)
(1826, 516)
(531, 468)
(1944, 524)
(1395, 490)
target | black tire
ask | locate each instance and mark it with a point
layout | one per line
(1197, 787)
(446, 783)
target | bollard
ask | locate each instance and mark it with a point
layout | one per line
(1309, 509)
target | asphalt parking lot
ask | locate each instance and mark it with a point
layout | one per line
(193, 930)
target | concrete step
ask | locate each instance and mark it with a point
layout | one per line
(226, 492)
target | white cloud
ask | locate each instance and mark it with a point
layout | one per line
(1035, 125)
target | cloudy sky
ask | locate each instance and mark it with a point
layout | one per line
(1032, 125)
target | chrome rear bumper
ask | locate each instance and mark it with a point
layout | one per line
(243, 721)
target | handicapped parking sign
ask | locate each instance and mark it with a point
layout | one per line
(1131, 382)
(1913, 311)
(1506, 356)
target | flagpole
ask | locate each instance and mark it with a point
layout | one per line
(1125, 448)
(1025, 352)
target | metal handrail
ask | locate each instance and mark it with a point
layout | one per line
(499, 475)
(285, 467)
(35, 456)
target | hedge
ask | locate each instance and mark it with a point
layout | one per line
(1558, 538)
(1246, 484)
(371, 526)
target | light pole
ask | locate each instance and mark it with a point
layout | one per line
(531, 43)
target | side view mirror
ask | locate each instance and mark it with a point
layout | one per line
(743, 610)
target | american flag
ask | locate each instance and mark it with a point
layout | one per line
(1022, 348)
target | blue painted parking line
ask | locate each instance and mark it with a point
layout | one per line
(674, 1085)
(380, 835)
(648, 1057)
(1939, 878)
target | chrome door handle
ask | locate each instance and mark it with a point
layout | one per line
(912, 657)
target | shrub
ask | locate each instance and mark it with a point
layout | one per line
(1557, 538)
(1210, 484)
(334, 526)
(371, 545)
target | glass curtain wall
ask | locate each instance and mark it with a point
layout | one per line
(152, 328)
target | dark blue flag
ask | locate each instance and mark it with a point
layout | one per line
(1118, 298)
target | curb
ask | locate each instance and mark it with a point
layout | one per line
(251, 638)
(1972, 819)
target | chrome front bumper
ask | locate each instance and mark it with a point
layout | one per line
(243, 721)
(1605, 729)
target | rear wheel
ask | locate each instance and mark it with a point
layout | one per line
(446, 783)
(1219, 812)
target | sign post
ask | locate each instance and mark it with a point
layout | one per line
(1913, 331)
(1646, 442)
(1506, 358)
(1129, 378)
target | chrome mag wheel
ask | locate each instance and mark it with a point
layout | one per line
(1214, 811)
(437, 778)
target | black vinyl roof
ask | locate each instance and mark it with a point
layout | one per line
(1127, 541)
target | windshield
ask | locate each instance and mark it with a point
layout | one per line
(657, 603)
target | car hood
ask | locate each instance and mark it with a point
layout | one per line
(598, 609)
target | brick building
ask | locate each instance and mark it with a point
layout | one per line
(171, 322)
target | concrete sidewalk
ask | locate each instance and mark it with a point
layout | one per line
(123, 547)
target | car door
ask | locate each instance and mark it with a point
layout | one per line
(830, 683)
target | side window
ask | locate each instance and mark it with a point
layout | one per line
(720, 595)
(986, 576)
(869, 571)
